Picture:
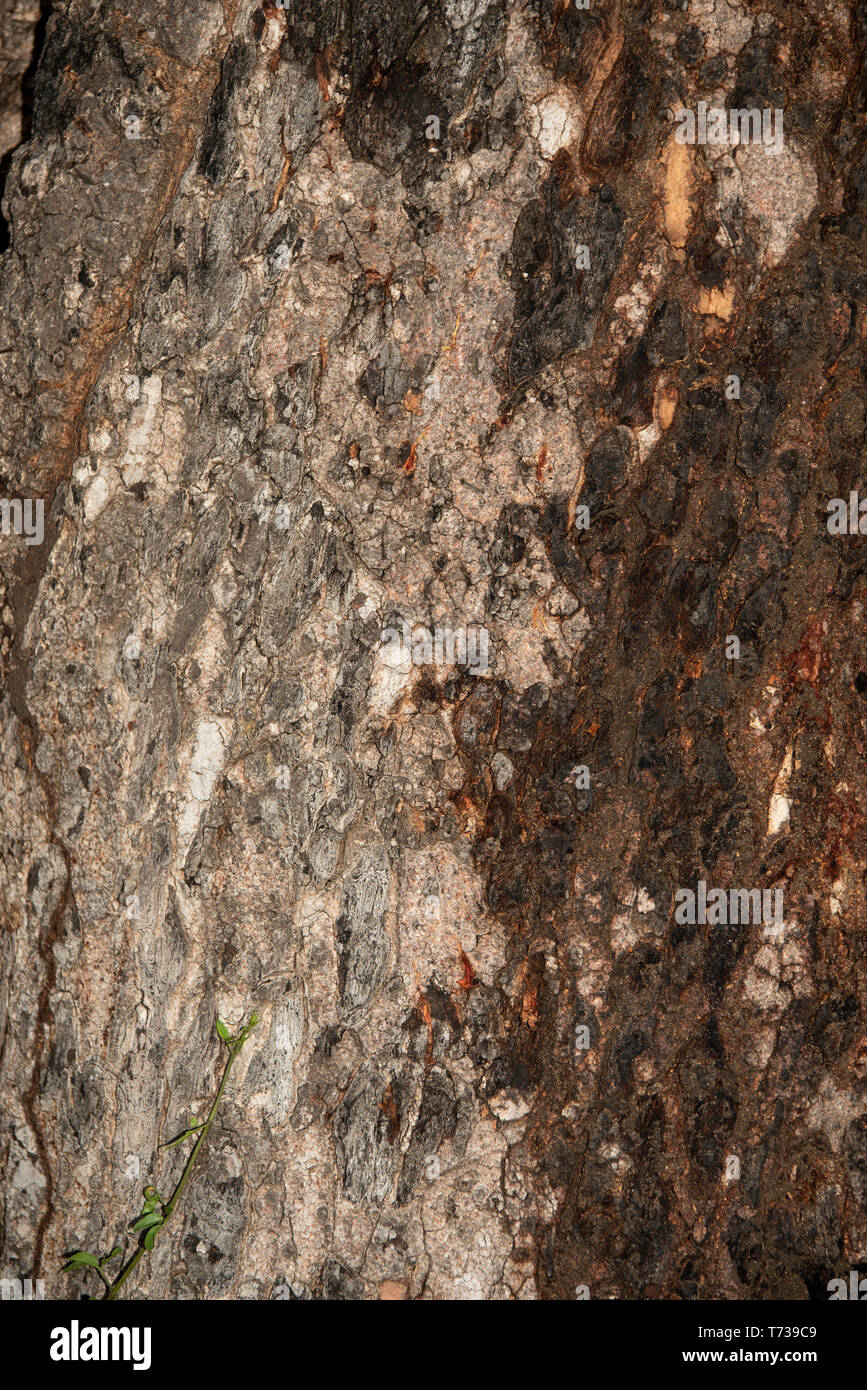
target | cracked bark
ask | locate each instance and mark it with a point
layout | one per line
(290, 364)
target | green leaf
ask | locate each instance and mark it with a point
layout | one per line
(180, 1139)
(223, 1031)
(150, 1237)
(112, 1254)
(153, 1218)
(81, 1257)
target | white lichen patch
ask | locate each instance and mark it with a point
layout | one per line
(623, 933)
(781, 190)
(391, 675)
(96, 496)
(632, 307)
(141, 441)
(200, 770)
(510, 1105)
(627, 926)
(780, 807)
(463, 1226)
(761, 983)
(726, 24)
(648, 438)
(838, 896)
(554, 123)
(833, 1111)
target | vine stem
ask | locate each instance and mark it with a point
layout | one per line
(234, 1047)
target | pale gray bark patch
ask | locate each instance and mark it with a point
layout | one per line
(363, 943)
(437, 1120)
(371, 1124)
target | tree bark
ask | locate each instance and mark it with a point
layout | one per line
(322, 321)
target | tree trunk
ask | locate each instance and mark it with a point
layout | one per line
(328, 326)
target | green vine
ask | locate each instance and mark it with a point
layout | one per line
(156, 1212)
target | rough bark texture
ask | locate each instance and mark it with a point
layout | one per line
(294, 366)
